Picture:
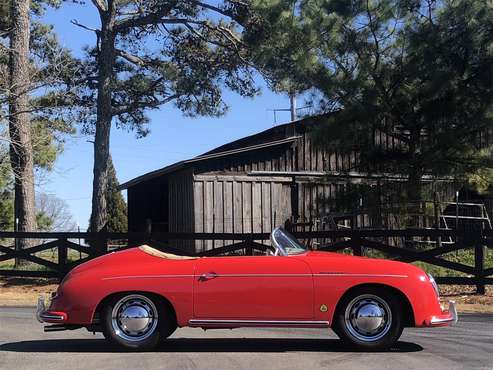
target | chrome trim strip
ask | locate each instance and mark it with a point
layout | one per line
(263, 275)
(441, 321)
(47, 316)
(214, 322)
(322, 274)
(146, 277)
(453, 319)
(198, 276)
(344, 274)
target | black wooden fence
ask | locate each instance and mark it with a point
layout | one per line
(359, 242)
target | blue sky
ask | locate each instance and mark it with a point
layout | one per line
(172, 138)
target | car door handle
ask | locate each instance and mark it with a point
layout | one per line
(208, 276)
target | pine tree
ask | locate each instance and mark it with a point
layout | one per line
(31, 104)
(6, 194)
(117, 208)
(152, 53)
(419, 72)
(21, 157)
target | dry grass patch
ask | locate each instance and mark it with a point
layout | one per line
(24, 291)
(467, 299)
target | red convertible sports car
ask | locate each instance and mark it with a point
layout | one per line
(139, 296)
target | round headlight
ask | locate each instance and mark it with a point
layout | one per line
(434, 284)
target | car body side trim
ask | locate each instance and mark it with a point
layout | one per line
(322, 274)
(240, 323)
(348, 274)
(146, 277)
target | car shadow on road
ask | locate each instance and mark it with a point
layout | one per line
(199, 345)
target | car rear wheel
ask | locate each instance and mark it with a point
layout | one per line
(136, 321)
(369, 319)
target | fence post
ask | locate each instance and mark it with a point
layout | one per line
(62, 255)
(356, 243)
(456, 215)
(355, 240)
(479, 253)
(288, 225)
(437, 218)
(101, 244)
(248, 246)
(357, 250)
(249, 250)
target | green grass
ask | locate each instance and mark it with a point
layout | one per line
(463, 256)
(50, 255)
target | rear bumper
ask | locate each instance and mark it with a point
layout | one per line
(447, 318)
(46, 316)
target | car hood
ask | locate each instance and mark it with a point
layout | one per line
(338, 263)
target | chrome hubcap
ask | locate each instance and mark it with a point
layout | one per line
(134, 317)
(368, 317)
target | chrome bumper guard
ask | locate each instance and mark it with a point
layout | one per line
(452, 320)
(42, 315)
(40, 308)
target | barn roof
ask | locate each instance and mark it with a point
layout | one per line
(278, 135)
(183, 164)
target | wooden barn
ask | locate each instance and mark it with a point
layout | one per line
(249, 185)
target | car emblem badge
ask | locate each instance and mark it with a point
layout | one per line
(323, 308)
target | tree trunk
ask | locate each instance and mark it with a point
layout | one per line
(106, 60)
(21, 155)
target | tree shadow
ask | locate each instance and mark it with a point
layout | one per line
(27, 282)
(200, 345)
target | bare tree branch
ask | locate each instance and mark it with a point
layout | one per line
(75, 22)
(132, 58)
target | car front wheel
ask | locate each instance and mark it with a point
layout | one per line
(136, 321)
(369, 319)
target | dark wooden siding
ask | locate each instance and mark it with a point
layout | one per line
(181, 206)
(148, 202)
(221, 195)
(280, 158)
(241, 204)
(301, 155)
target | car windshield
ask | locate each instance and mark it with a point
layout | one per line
(285, 243)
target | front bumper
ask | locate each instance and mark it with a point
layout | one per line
(45, 316)
(448, 317)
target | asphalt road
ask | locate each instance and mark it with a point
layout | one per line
(23, 345)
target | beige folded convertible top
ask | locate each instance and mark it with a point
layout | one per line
(157, 253)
